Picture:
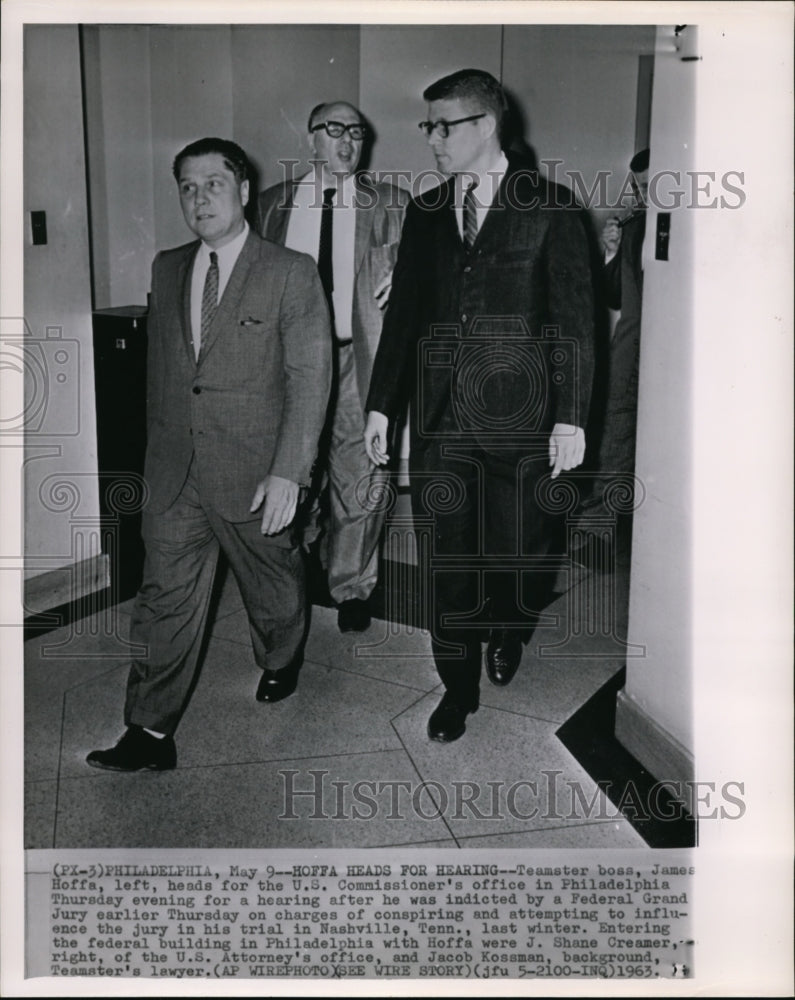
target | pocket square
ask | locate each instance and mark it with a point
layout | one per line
(251, 322)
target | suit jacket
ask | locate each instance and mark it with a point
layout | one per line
(493, 346)
(255, 401)
(379, 220)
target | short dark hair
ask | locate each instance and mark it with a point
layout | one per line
(475, 85)
(318, 108)
(639, 162)
(233, 156)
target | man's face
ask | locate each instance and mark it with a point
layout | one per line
(212, 200)
(466, 143)
(640, 187)
(341, 155)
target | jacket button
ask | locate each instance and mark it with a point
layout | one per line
(464, 318)
(196, 390)
(467, 269)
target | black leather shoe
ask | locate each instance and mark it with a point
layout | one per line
(276, 685)
(353, 616)
(503, 655)
(137, 750)
(448, 721)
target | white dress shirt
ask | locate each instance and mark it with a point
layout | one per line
(227, 258)
(303, 234)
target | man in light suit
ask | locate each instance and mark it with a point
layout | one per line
(490, 325)
(351, 225)
(237, 388)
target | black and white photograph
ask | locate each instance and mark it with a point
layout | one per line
(396, 430)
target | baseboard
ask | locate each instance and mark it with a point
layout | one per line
(590, 737)
(67, 584)
(661, 754)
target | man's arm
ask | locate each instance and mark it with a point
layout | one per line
(154, 366)
(611, 271)
(392, 205)
(571, 309)
(397, 345)
(305, 333)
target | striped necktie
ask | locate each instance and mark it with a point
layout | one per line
(470, 217)
(209, 301)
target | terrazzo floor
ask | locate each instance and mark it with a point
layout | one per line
(344, 762)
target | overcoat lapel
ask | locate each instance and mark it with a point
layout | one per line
(496, 220)
(448, 224)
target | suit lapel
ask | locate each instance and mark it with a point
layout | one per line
(493, 216)
(184, 272)
(364, 224)
(233, 292)
(448, 223)
(496, 228)
(275, 227)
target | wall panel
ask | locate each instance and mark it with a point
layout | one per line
(61, 443)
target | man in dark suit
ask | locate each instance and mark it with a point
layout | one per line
(351, 225)
(490, 324)
(237, 387)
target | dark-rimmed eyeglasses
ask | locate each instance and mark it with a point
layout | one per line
(337, 129)
(443, 127)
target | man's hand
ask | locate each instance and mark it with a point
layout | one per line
(382, 290)
(611, 238)
(281, 499)
(566, 448)
(375, 437)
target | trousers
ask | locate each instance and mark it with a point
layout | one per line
(486, 526)
(170, 611)
(355, 509)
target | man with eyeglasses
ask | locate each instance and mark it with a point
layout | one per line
(351, 225)
(490, 326)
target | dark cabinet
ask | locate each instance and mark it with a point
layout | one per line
(120, 391)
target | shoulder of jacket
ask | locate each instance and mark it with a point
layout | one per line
(271, 253)
(435, 198)
(395, 194)
(280, 190)
(175, 255)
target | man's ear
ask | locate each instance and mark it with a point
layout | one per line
(488, 126)
(244, 192)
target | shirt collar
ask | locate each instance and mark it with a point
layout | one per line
(229, 251)
(491, 179)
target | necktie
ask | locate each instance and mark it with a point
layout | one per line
(209, 301)
(470, 217)
(324, 259)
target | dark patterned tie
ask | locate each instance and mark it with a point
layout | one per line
(470, 217)
(209, 300)
(324, 259)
